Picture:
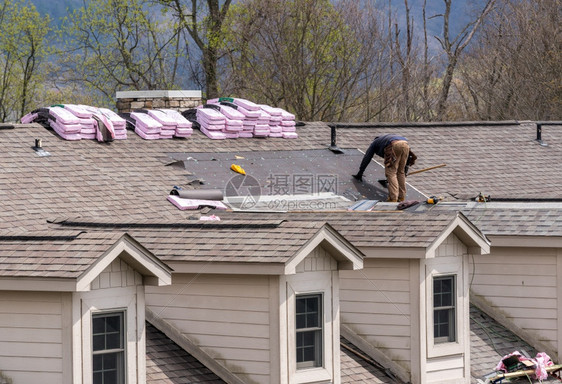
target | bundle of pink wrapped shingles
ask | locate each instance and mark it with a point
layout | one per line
(224, 118)
(77, 122)
(161, 124)
(234, 117)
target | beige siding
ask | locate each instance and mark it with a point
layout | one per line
(448, 369)
(375, 304)
(522, 285)
(31, 347)
(318, 260)
(227, 316)
(118, 274)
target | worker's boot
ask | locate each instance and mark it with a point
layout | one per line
(358, 176)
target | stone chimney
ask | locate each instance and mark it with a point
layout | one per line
(128, 101)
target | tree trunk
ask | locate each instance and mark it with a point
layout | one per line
(210, 68)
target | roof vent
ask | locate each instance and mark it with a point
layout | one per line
(38, 148)
(333, 146)
(539, 135)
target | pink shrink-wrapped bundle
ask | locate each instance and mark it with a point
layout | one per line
(66, 128)
(278, 134)
(275, 129)
(248, 105)
(211, 125)
(210, 114)
(261, 130)
(62, 132)
(215, 135)
(270, 110)
(183, 132)
(264, 118)
(245, 134)
(117, 120)
(119, 123)
(290, 135)
(63, 116)
(162, 118)
(288, 123)
(29, 118)
(146, 123)
(291, 128)
(231, 113)
(147, 136)
(180, 121)
(284, 114)
(78, 111)
(249, 114)
(231, 135)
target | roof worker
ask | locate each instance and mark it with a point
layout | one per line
(397, 157)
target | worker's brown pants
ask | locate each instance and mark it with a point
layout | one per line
(395, 157)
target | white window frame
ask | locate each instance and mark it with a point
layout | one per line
(129, 300)
(122, 332)
(305, 284)
(452, 327)
(435, 269)
(319, 341)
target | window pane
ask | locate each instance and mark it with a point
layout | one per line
(98, 362)
(110, 377)
(309, 341)
(113, 323)
(444, 309)
(113, 341)
(98, 342)
(312, 320)
(312, 304)
(301, 321)
(107, 344)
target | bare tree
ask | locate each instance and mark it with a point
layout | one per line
(454, 47)
(204, 24)
(311, 57)
(515, 69)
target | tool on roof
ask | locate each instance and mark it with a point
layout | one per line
(237, 168)
(482, 199)
(433, 200)
(384, 182)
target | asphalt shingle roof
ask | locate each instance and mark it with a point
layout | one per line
(168, 363)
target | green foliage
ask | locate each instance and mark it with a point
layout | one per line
(22, 50)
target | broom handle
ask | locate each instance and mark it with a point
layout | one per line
(426, 169)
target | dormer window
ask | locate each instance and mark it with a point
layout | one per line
(309, 321)
(108, 348)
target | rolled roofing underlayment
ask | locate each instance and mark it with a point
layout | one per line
(201, 194)
(221, 118)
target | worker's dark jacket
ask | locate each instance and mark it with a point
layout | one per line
(381, 142)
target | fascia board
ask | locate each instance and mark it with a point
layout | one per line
(225, 267)
(37, 284)
(348, 255)
(156, 272)
(373, 252)
(525, 241)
